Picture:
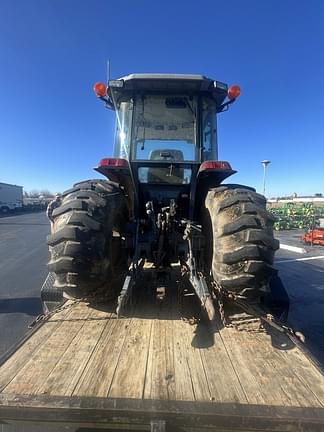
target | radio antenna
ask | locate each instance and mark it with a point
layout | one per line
(108, 71)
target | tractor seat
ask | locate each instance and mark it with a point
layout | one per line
(165, 175)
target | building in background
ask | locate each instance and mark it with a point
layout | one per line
(316, 198)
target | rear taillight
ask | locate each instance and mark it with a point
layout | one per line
(215, 165)
(113, 163)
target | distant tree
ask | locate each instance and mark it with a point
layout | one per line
(46, 193)
(34, 193)
(26, 194)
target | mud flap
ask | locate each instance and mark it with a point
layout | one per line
(51, 297)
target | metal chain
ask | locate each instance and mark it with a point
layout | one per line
(48, 315)
(67, 305)
(256, 315)
(219, 297)
(249, 325)
(240, 324)
(221, 309)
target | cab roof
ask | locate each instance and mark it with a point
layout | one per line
(171, 83)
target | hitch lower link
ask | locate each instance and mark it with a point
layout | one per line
(196, 278)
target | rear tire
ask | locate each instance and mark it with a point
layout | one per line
(242, 252)
(81, 245)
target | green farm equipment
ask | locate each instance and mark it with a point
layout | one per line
(293, 216)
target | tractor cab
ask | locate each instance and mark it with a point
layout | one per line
(165, 131)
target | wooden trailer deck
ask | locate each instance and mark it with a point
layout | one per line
(86, 367)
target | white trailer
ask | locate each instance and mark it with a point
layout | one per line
(11, 197)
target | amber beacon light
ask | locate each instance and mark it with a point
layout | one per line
(100, 89)
(233, 92)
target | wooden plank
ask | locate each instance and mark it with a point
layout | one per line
(183, 374)
(98, 374)
(198, 368)
(66, 374)
(160, 374)
(191, 380)
(223, 381)
(302, 368)
(17, 361)
(129, 376)
(31, 377)
(264, 378)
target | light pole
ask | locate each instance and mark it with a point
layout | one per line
(265, 163)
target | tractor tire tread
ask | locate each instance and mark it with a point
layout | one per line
(67, 233)
(67, 264)
(243, 244)
(239, 224)
(247, 252)
(81, 244)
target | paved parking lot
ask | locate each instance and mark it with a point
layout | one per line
(303, 277)
(23, 258)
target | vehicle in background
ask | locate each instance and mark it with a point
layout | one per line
(315, 236)
(11, 197)
(36, 204)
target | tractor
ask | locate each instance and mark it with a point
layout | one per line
(163, 202)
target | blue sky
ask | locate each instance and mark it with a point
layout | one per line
(53, 130)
